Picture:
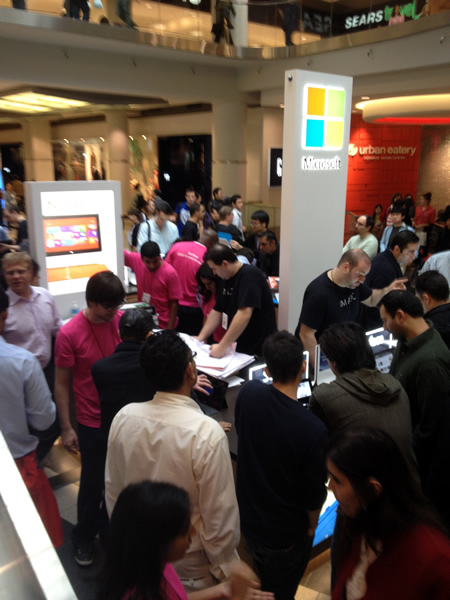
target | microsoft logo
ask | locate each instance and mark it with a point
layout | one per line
(324, 118)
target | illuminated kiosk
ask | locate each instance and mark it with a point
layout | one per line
(75, 230)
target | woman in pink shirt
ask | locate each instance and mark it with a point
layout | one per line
(150, 528)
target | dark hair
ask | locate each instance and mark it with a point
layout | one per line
(346, 344)
(283, 353)
(261, 216)
(215, 190)
(247, 253)
(135, 323)
(189, 189)
(105, 288)
(402, 300)
(227, 201)
(146, 520)
(270, 235)
(205, 272)
(163, 206)
(353, 257)
(225, 211)
(234, 198)
(398, 208)
(369, 452)
(215, 205)
(427, 197)
(194, 207)
(4, 300)
(434, 284)
(218, 253)
(396, 198)
(369, 222)
(137, 213)
(164, 358)
(150, 250)
(403, 239)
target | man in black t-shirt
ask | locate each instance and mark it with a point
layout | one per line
(244, 304)
(335, 295)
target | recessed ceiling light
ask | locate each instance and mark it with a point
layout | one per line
(131, 137)
(66, 140)
(365, 97)
(103, 139)
(82, 139)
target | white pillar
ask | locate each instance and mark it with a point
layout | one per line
(118, 154)
(229, 147)
(38, 150)
(240, 22)
(317, 112)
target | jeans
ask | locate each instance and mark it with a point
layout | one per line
(92, 516)
(76, 6)
(280, 571)
(124, 12)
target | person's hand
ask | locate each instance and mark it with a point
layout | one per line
(216, 351)
(70, 440)
(225, 426)
(244, 584)
(203, 384)
(398, 284)
(235, 245)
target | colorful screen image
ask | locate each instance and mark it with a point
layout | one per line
(71, 235)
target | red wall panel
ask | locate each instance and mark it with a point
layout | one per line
(373, 178)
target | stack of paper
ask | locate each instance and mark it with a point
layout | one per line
(217, 367)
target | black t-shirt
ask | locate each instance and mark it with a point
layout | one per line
(248, 288)
(325, 303)
(231, 229)
(277, 482)
(190, 232)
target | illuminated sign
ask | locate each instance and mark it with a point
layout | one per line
(323, 126)
(382, 15)
(324, 118)
(385, 152)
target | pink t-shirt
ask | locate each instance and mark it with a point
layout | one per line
(171, 586)
(162, 285)
(186, 258)
(79, 344)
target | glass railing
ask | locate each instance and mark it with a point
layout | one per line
(270, 23)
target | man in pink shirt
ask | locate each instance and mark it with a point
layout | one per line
(91, 335)
(157, 283)
(186, 258)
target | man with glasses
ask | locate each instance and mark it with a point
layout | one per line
(170, 439)
(334, 297)
(91, 335)
(386, 267)
(364, 239)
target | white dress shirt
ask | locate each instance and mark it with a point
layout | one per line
(170, 439)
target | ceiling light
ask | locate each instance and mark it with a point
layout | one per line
(365, 97)
(131, 138)
(82, 140)
(66, 140)
(145, 137)
(430, 106)
(33, 102)
(103, 139)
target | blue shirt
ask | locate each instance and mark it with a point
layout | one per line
(25, 399)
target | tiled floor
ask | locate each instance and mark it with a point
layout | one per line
(63, 471)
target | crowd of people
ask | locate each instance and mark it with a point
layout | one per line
(157, 479)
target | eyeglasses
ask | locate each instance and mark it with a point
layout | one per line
(109, 307)
(194, 354)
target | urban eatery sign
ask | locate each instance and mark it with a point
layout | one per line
(385, 152)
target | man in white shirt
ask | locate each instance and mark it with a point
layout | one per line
(170, 439)
(159, 229)
(364, 240)
(238, 204)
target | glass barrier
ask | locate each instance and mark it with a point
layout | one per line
(270, 23)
